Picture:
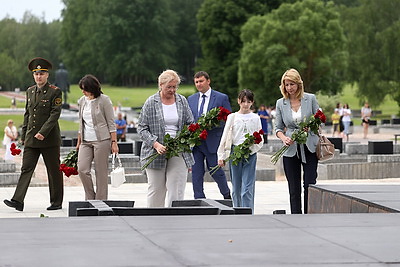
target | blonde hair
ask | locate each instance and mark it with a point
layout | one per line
(167, 76)
(294, 76)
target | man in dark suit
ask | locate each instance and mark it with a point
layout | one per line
(200, 103)
(41, 136)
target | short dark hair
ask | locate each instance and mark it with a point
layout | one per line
(91, 84)
(246, 93)
(200, 74)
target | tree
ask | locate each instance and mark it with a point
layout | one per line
(374, 42)
(305, 35)
(129, 42)
(20, 42)
(219, 24)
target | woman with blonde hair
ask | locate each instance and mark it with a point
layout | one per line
(165, 112)
(291, 109)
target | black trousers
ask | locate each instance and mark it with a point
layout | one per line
(292, 167)
(51, 157)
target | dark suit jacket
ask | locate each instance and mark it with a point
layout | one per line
(217, 99)
(41, 115)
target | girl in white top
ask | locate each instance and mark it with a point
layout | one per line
(346, 121)
(243, 175)
(10, 136)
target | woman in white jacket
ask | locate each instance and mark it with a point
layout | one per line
(243, 175)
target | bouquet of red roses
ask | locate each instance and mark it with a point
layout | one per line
(242, 151)
(69, 165)
(300, 135)
(15, 149)
(191, 135)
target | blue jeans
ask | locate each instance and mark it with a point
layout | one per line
(243, 178)
(346, 125)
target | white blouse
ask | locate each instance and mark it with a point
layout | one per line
(170, 119)
(89, 133)
(236, 127)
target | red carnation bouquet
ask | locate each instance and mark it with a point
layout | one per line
(242, 151)
(69, 166)
(300, 135)
(191, 135)
(15, 149)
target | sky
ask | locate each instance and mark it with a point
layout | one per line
(48, 9)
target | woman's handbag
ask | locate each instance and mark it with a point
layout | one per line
(117, 174)
(325, 149)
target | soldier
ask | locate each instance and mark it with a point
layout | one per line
(41, 135)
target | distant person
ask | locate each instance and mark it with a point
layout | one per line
(291, 109)
(335, 123)
(346, 119)
(272, 116)
(62, 81)
(120, 124)
(264, 117)
(339, 109)
(10, 136)
(13, 103)
(165, 112)
(97, 137)
(41, 136)
(243, 175)
(201, 102)
(366, 113)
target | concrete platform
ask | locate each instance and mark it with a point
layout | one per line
(259, 240)
(361, 198)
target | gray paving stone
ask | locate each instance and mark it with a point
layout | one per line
(258, 240)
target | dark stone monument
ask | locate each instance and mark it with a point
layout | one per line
(125, 147)
(67, 142)
(337, 142)
(132, 130)
(380, 147)
(396, 121)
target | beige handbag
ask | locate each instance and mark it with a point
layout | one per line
(325, 149)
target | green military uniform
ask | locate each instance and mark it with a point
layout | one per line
(42, 111)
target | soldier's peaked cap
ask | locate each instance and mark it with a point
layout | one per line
(39, 64)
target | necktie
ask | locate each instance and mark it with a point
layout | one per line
(202, 105)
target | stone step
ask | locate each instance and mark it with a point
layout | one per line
(9, 179)
(7, 167)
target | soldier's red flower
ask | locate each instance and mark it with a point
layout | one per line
(15, 149)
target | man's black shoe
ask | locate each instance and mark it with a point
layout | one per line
(228, 196)
(14, 204)
(52, 207)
